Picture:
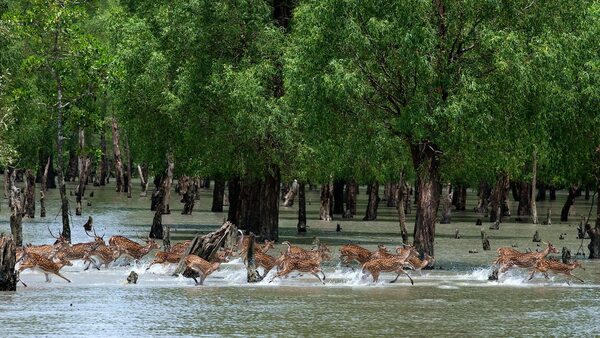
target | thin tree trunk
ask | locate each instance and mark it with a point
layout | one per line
(541, 195)
(16, 214)
(117, 156)
(338, 197)
(484, 195)
(350, 199)
(373, 202)
(524, 208)
(391, 189)
(564, 215)
(301, 207)
(325, 211)
(552, 193)
(188, 191)
(129, 164)
(44, 188)
(143, 172)
(594, 232)
(81, 186)
(446, 201)
(30, 193)
(163, 191)
(8, 257)
(103, 159)
(402, 198)
(534, 215)
(289, 197)
(218, 195)
(6, 184)
(498, 198)
(64, 202)
(426, 164)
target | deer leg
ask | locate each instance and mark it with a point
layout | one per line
(407, 275)
(47, 278)
(148, 268)
(319, 277)
(195, 280)
(531, 275)
(375, 276)
(202, 278)
(63, 277)
(581, 280)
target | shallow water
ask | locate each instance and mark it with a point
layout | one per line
(457, 300)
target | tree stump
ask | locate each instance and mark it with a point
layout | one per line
(8, 276)
(536, 237)
(456, 234)
(206, 247)
(132, 278)
(485, 241)
(548, 220)
(495, 225)
(16, 215)
(252, 275)
(566, 255)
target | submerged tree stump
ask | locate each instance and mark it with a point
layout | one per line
(536, 237)
(566, 255)
(252, 274)
(485, 241)
(8, 276)
(206, 247)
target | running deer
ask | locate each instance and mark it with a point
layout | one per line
(80, 250)
(302, 261)
(417, 264)
(202, 267)
(162, 257)
(545, 265)
(244, 243)
(524, 260)
(131, 248)
(180, 247)
(46, 250)
(40, 263)
(395, 264)
(101, 253)
(353, 252)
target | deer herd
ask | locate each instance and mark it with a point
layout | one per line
(50, 259)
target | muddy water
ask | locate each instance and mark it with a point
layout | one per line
(455, 300)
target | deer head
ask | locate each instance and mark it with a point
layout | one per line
(98, 239)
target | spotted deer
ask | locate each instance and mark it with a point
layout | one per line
(395, 263)
(307, 265)
(131, 248)
(80, 250)
(545, 265)
(180, 247)
(321, 251)
(102, 254)
(244, 243)
(202, 267)
(415, 263)
(40, 263)
(524, 260)
(46, 250)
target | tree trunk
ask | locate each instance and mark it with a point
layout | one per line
(235, 200)
(392, 189)
(64, 202)
(289, 197)
(515, 188)
(373, 202)
(162, 193)
(218, 195)
(524, 208)
(259, 207)
(325, 211)
(188, 191)
(117, 156)
(252, 275)
(16, 214)
(446, 201)
(338, 197)
(350, 199)
(552, 193)
(73, 167)
(425, 158)
(129, 164)
(81, 186)
(143, 172)
(541, 194)
(103, 159)
(498, 198)
(301, 207)
(402, 198)
(44, 188)
(30, 194)
(534, 215)
(8, 253)
(564, 214)
(484, 195)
